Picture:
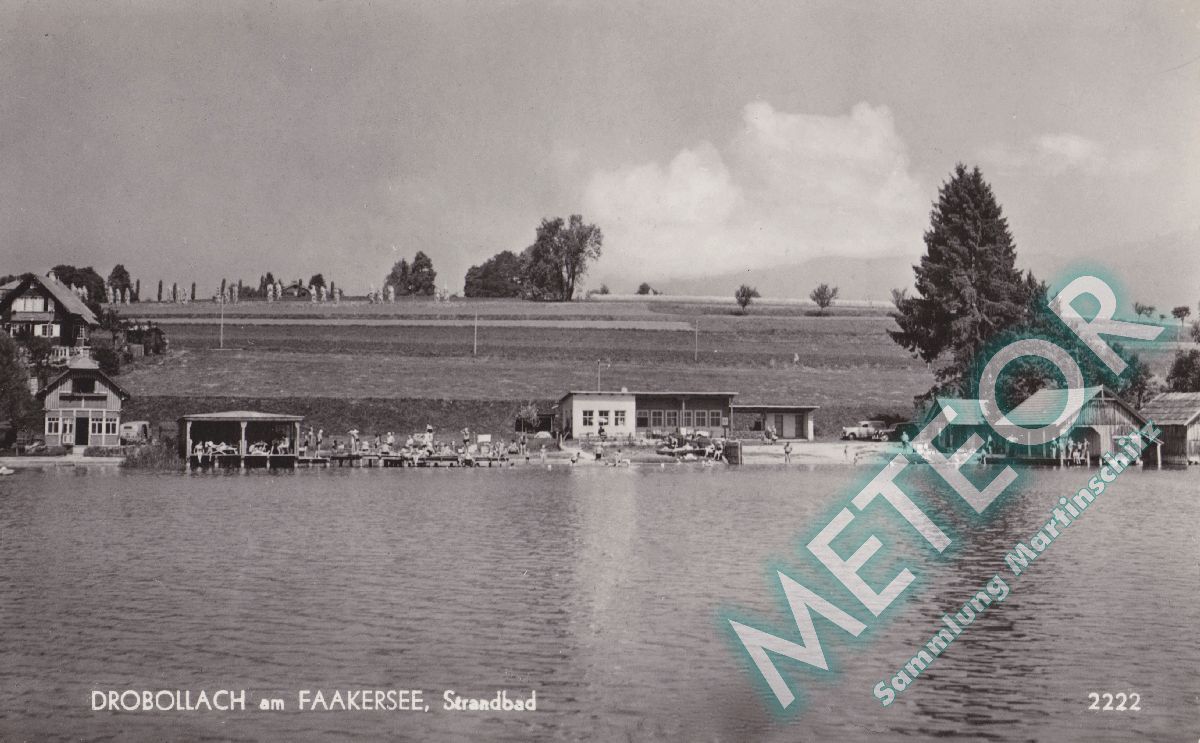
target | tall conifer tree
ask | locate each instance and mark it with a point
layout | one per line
(968, 288)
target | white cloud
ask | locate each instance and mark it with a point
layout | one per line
(786, 187)
(1055, 154)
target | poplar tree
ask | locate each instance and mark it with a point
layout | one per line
(968, 288)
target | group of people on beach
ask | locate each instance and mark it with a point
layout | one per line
(418, 445)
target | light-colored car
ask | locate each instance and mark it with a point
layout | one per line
(864, 430)
(135, 432)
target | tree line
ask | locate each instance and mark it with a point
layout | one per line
(551, 269)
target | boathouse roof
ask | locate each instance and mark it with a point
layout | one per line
(1039, 409)
(1173, 409)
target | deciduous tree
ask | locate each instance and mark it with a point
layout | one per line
(1184, 375)
(744, 295)
(422, 278)
(824, 295)
(16, 401)
(559, 257)
(498, 276)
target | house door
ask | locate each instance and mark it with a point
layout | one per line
(789, 427)
(82, 428)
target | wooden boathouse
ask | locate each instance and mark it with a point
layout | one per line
(1177, 414)
(1103, 419)
(240, 438)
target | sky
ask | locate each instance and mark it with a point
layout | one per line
(195, 141)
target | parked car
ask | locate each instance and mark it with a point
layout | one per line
(896, 432)
(864, 430)
(135, 432)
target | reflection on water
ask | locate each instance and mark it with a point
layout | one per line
(599, 588)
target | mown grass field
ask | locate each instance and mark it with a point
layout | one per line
(336, 372)
(339, 373)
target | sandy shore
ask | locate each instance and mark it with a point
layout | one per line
(821, 452)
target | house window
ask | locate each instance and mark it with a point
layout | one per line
(714, 418)
(672, 419)
(656, 418)
(83, 386)
(686, 418)
(110, 424)
(589, 418)
(97, 426)
(643, 419)
(603, 416)
(68, 426)
(29, 303)
(619, 418)
(52, 425)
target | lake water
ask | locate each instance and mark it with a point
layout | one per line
(599, 588)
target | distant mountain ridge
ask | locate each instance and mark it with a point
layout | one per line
(1163, 271)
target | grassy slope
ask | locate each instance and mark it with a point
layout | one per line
(398, 378)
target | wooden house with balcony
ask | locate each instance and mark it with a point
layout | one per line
(82, 406)
(43, 307)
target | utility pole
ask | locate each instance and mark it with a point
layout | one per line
(222, 333)
(597, 375)
(475, 344)
(696, 347)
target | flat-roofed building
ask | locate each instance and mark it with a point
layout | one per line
(644, 413)
(791, 422)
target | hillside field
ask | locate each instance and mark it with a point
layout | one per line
(359, 365)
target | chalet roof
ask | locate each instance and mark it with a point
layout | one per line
(1173, 408)
(83, 372)
(61, 293)
(242, 415)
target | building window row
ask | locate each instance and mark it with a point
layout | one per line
(29, 303)
(678, 418)
(98, 424)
